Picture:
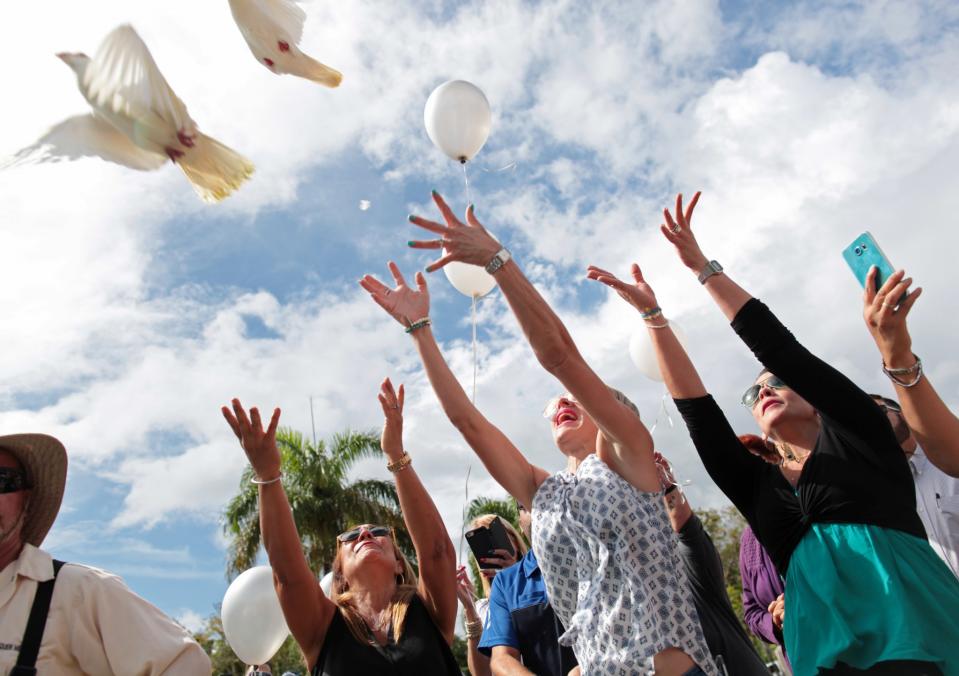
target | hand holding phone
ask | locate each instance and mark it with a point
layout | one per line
(484, 541)
(862, 254)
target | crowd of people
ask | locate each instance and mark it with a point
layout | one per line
(849, 563)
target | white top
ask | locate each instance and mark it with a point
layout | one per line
(612, 572)
(96, 624)
(937, 501)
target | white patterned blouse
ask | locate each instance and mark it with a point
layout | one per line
(613, 573)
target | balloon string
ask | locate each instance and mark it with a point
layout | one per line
(663, 411)
(473, 313)
(466, 504)
(507, 167)
(466, 179)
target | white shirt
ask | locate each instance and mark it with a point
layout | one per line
(96, 625)
(937, 501)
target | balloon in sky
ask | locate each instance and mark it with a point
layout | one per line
(458, 119)
(252, 620)
(642, 353)
(469, 280)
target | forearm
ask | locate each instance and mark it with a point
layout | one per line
(680, 376)
(728, 295)
(423, 521)
(505, 664)
(479, 664)
(500, 457)
(936, 427)
(281, 539)
(677, 508)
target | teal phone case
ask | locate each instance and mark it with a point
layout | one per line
(862, 254)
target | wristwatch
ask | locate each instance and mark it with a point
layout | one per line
(711, 268)
(499, 260)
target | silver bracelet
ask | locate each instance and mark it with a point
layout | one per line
(895, 373)
(260, 482)
(658, 326)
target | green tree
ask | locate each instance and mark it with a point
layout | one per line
(725, 527)
(506, 509)
(323, 499)
(225, 663)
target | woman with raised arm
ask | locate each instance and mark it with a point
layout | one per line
(935, 426)
(865, 593)
(380, 619)
(600, 531)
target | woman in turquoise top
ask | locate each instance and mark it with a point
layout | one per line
(865, 593)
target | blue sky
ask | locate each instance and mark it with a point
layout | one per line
(133, 311)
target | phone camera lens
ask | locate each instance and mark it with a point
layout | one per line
(865, 246)
(858, 251)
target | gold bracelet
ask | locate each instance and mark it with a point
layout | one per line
(400, 464)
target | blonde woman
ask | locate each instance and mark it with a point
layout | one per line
(381, 618)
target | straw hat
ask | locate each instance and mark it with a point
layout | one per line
(45, 461)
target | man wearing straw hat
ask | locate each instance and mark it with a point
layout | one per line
(69, 619)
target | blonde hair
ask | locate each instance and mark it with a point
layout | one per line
(519, 544)
(406, 584)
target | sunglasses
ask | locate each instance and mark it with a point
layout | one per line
(751, 395)
(553, 405)
(375, 531)
(12, 480)
(889, 406)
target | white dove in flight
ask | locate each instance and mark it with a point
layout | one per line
(272, 29)
(138, 121)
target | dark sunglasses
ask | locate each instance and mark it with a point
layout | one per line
(12, 480)
(375, 531)
(751, 395)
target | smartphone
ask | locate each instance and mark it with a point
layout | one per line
(483, 542)
(862, 254)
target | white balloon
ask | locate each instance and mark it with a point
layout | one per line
(470, 280)
(642, 353)
(326, 584)
(458, 119)
(252, 619)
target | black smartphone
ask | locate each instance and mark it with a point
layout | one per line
(483, 542)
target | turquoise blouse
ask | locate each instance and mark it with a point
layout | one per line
(863, 594)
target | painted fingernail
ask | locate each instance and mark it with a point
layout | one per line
(434, 192)
(410, 243)
(410, 218)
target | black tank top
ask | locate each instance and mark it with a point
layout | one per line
(422, 650)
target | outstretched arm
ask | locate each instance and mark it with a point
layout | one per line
(434, 551)
(935, 426)
(629, 452)
(307, 611)
(501, 458)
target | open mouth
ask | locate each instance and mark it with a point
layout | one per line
(565, 416)
(360, 545)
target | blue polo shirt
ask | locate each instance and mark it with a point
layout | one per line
(520, 617)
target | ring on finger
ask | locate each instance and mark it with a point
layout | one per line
(889, 305)
(676, 228)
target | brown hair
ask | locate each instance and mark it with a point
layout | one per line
(518, 543)
(406, 584)
(758, 446)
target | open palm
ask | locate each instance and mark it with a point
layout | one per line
(639, 294)
(406, 305)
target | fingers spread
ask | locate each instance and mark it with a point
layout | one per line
(425, 244)
(240, 415)
(421, 282)
(471, 217)
(373, 285)
(680, 217)
(255, 419)
(274, 421)
(397, 275)
(448, 214)
(401, 398)
(637, 273)
(432, 226)
(669, 217)
(231, 420)
(692, 205)
(436, 265)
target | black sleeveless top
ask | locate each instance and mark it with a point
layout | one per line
(422, 650)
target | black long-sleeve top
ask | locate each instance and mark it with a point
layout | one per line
(857, 472)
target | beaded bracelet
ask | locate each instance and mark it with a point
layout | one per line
(658, 326)
(651, 312)
(418, 324)
(474, 629)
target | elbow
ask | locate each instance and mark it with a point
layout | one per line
(557, 354)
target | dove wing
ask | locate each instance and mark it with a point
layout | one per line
(262, 22)
(86, 136)
(124, 79)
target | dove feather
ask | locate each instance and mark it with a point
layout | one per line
(263, 21)
(124, 79)
(86, 136)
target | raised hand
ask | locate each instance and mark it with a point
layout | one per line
(464, 590)
(666, 477)
(391, 440)
(886, 320)
(679, 231)
(259, 444)
(464, 242)
(404, 304)
(639, 294)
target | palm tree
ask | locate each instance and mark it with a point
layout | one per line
(324, 502)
